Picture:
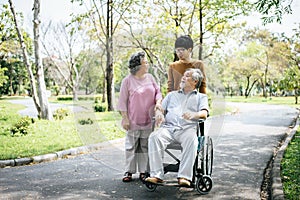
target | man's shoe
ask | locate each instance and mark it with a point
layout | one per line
(154, 180)
(184, 182)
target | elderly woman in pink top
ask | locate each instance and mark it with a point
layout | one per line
(139, 96)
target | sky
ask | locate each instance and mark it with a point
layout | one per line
(60, 10)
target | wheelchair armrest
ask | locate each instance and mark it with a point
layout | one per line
(201, 120)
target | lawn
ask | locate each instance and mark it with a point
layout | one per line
(290, 165)
(289, 101)
(43, 136)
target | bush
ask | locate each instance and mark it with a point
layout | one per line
(65, 98)
(21, 126)
(85, 121)
(97, 100)
(99, 108)
(60, 113)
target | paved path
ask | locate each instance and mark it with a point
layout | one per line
(244, 143)
(31, 111)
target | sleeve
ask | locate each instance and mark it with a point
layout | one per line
(203, 102)
(124, 95)
(202, 88)
(158, 94)
(170, 79)
(165, 101)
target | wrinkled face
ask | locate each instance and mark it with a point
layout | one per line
(187, 82)
(144, 65)
(183, 53)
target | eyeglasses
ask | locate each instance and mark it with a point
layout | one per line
(179, 50)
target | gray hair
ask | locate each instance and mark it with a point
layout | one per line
(135, 62)
(196, 75)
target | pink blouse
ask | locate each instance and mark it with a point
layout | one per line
(138, 97)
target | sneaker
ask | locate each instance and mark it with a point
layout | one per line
(184, 182)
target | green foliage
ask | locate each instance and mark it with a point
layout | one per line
(3, 78)
(55, 89)
(60, 113)
(21, 126)
(85, 121)
(99, 107)
(290, 172)
(80, 98)
(273, 10)
(65, 98)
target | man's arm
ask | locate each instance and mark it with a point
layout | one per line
(195, 115)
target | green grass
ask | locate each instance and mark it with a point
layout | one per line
(290, 172)
(50, 136)
(289, 101)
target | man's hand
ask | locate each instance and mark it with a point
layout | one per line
(195, 115)
(190, 115)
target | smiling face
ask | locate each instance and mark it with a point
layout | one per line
(144, 66)
(187, 81)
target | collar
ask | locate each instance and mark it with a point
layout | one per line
(194, 91)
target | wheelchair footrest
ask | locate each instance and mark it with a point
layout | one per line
(171, 167)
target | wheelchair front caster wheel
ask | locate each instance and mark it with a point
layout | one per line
(150, 186)
(204, 184)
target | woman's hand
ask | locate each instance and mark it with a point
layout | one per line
(126, 124)
(159, 118)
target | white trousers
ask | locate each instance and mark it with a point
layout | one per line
(136, 151)
(158, 142)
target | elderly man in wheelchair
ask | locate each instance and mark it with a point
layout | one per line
(178, 117)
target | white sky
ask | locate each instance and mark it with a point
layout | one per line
(60, 10)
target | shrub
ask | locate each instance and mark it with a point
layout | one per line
(97, 99)
(85, 121)
(60, 113)
(65, 98)
(99, 108)
(21, 126)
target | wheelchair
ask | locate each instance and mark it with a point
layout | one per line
(202, 169)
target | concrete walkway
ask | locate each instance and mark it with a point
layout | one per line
(243, 145)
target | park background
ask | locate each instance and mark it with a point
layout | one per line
(84, 52)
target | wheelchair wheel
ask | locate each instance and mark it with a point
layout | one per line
(204, 184)
(150, 186)
(208, 159)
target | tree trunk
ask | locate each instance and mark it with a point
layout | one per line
(104, 90)
(26, 60)
(201, 30)
(42, 92)
(109, 57)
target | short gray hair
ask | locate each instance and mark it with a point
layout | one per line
(197, 75)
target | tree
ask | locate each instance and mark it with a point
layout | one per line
(105, 18)
(11, 54)
(246, 66)
(203, 20)
(39, 94)
(274, 58)
(292, 73)
(42, 91)
(3, 78)
(273, 10)
(60, 44)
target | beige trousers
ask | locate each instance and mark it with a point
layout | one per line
(136, 151)
(162, 137)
